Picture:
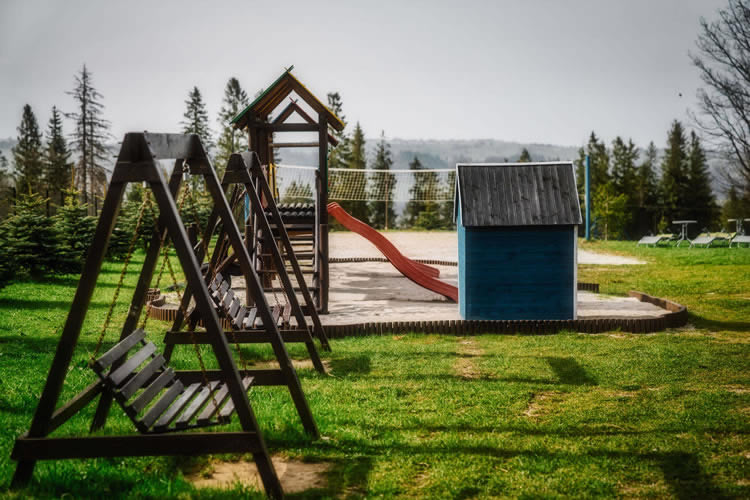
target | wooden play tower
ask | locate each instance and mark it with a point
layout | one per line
(307, 224)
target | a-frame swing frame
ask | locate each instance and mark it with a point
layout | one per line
(243, 169)
(137, 162)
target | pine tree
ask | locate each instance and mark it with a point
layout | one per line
(416, 192)
(338, 156)
(196, 119)
(610, 211)
(382, 214)
(624, 177)
(27, 154)
(76, 231)
(32, 240)
(6, 182)
(447, 208)
(525, 157)
(646, 189)
(699, 197)
(56, 159)
(7, 265)
(674, 177)
(90, 138)
(599, 165)
(357, 159)
(230, 140)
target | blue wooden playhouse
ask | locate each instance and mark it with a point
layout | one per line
(517, 240)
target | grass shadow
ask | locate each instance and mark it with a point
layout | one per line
(356, 365)
(569, 371)
(685, 475)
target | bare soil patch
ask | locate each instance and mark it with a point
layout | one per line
(465, 366)
(542, 403)
(295, 476)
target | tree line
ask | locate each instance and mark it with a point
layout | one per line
(419, 212)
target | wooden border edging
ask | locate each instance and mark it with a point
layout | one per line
(676, 317)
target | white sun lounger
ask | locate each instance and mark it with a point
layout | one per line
(654, 240)
(740, 238)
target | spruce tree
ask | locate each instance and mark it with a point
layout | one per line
(599, 165)
(7, 264)
(382, 214)
(230, 140)
(357, 160)
(195, 119)
(416, 192)
(76, 231)
(89, 139)
(525, 157)
(647, 196)
(57, 164)
(27, 155)
(6, 182)
(32, 239)
(610, 212)
(338, 156)
(699, 196)
(674, 178)
(624, 177)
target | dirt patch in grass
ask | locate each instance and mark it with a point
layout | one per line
(737, 389)
(542, 403)
(465, 366)
(298, 364)
(295, 476)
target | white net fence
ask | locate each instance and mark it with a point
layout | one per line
(297, 183)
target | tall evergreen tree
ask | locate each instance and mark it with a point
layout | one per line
(89, 139)
(674, 178)
(57, 164)
(647, 193)
(76, 231)
(6, 183)
(599, 165)
(699, 197)
(230, 140)
(32, 239)
(610, 211)
(338, 156)
(525, 157)
(415, 205)
(195, 119)
(357, 159)
(624, 177)
(27, 154)
(382, 214)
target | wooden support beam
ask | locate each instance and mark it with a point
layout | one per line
(191, 443)
(278, 145)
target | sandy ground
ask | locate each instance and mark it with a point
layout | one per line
(376, 292)
(438, 246)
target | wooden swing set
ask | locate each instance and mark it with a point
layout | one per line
(166, 405)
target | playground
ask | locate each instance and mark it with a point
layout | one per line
(507, 358)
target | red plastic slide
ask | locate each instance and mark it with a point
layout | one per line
(420, 274)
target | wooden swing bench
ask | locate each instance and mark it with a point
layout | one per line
(156, 393)
(239, 316)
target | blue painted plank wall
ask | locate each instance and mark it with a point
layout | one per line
(516, 272)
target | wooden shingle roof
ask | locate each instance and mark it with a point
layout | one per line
(270, 98)
(518, 194)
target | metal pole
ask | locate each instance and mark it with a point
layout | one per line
(588, 197)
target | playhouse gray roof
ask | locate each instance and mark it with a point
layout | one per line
(518, 194)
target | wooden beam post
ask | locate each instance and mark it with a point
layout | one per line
(323, 211)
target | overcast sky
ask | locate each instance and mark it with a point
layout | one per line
(529, 71)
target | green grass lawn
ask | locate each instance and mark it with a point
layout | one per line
(661, 415)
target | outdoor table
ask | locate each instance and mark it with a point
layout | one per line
(683, 229)
(738, 225)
